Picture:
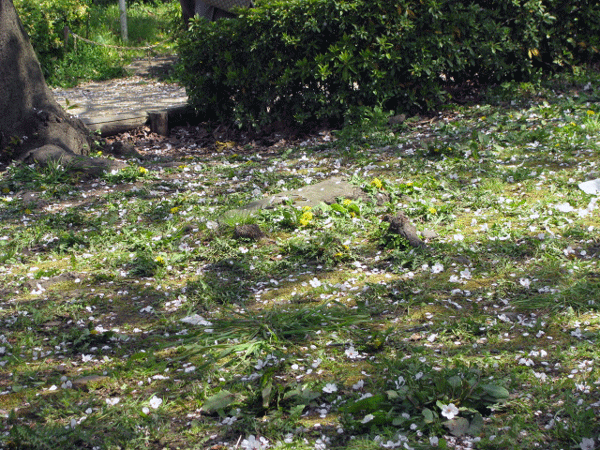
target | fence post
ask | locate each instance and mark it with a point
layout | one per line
(123, 18)
(66, 35)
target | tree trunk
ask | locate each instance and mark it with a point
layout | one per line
(30, 117)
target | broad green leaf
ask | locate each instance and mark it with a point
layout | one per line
(495, 391)
(338, 208)
(375, 403)
(458, 426)
(476, 425)
(428, 415)
(266, 394)
(392, 395)
(455, 381)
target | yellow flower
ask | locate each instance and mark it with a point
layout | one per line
(307, 216)
(347, 201)
(376, 182)
(306, 208)
(159, 260)
(174, 210)
(98, 153)
(181, 166)
(409, 183)
(143, 171)
(589, 112)
(432, 210)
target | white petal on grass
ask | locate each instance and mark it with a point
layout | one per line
(564, 207)
(587, 444)
(351, 353)
(330, 388)
(449, 411)
(315, 282)
(437, 268)
(112, 401)
(525, 282)
(155, 402)
(252, 443)
(195, 319)
(466, 274)
(367, 418)
(359, 385)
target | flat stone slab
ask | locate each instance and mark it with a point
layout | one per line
(327, 191)
(591, 187)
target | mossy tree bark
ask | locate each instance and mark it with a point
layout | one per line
(30, 117)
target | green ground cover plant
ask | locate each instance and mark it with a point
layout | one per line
(67, 65)
(132, 317)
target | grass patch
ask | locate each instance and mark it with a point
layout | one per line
(133, 317)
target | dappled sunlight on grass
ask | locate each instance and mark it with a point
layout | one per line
(136, 316)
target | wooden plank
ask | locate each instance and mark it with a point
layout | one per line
(161, 121)
(111, 125)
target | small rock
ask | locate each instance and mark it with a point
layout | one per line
(123, 150)
(248, 231)
(401, 224)
(90, 381)
(429, 234)
(397, 119)
(462, 260)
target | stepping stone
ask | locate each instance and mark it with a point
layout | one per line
(327, 191)
(591, 187)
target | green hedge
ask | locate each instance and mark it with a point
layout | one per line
(303, 60)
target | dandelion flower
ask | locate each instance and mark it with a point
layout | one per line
(376, 182)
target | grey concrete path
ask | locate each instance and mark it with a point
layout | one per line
(118, 105)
